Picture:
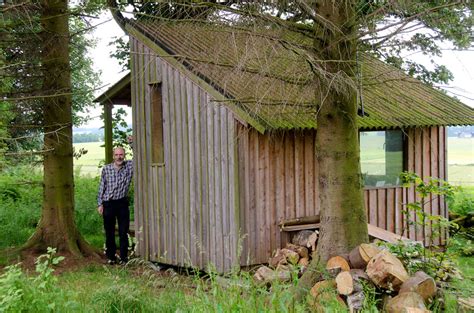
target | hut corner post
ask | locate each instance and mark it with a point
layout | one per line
(108, 132)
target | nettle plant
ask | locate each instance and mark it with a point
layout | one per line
(415, 255)
(425, 191)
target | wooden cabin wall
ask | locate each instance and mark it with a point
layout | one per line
(185, 207)
(277, 178)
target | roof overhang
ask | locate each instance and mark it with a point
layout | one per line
(118, 94)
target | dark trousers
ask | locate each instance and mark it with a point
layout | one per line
(116, 210)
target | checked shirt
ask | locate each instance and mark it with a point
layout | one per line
(114, 183)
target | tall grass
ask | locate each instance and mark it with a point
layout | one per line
(20, 205)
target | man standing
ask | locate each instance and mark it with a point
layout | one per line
(113, 203)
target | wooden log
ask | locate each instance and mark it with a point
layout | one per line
(300, 220)
(421, 283)
(349, 282)
(264, 274)
(292, 257)
(321, 287)
(267, 275)
(405, 302)
(386, 271)
(302, 251)
(305, 238)
(337, 264)
(345, 284)
(355, 301)
(384, 235)
(361, 255)
(321, 294)
(304, 262)
(278, 258)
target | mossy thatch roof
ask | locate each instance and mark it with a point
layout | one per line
(266, 74)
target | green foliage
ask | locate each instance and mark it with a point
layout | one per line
(463, 202)
(415, 257)
(122, 52)
(23, 293)
(121, 131)
(20, 206)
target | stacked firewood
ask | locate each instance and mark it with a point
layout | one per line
(297, 253)
(366, 264)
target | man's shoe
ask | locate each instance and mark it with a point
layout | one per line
(111, 262)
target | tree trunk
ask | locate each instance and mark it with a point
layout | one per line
(343, 217)
(57, 227)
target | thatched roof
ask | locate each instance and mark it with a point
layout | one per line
(271, 80)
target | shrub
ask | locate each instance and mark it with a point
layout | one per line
(22, 293)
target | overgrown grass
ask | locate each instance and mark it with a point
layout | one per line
(20, 206)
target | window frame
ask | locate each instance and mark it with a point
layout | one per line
(156, 123)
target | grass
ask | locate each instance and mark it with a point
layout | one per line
(88, 164)
(20, 206)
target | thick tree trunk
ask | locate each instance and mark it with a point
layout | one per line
(343, 218)
(57, 227)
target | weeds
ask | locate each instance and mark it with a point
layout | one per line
(23, 293)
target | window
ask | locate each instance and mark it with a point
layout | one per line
(156, 124)
(381, 155)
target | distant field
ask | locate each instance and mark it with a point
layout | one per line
(88, 164)
(460, 159)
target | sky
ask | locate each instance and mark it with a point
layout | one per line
(461, 63)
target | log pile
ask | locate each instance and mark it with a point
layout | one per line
(296, 254)
(366, 264)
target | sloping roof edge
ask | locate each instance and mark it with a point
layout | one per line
(113, 92)
(163, 52)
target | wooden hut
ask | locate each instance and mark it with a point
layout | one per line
(224, 127)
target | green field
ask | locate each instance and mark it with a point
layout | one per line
(88, 164)
(460, 159)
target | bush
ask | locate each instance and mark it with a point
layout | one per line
(22, 293)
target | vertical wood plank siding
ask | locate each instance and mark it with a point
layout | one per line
(221, 182)
(278, 181)
(185, 208)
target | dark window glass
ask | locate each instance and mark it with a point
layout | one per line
(381, 154)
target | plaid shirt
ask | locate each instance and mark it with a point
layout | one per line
(114, 183)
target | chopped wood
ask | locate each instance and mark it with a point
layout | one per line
(345, 283)
(355, 301)
(283, 273)
(350, 281)
(386, 271)
(292, 257)
(321, 287)
(264, 274)
(306, 238)
(278, 258)
(421, 283)
(304, 262)
(385, 235)
(404, 302)
(323, 294)
(300, 220)
(361, 255)
(267, 275)
(337, 264)
(302, 251)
